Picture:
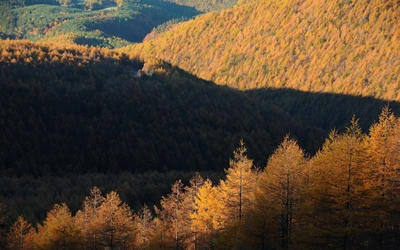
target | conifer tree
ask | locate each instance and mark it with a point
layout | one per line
(58, 230)
(383, 148)
(236, 194)
(21, 235)
(340, 189)
(278, 195)
(116, 228)
(207, 217)
(87, 219)
(145, 227)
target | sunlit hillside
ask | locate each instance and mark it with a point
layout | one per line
(338, 46)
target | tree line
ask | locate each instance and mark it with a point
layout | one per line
(344, 197)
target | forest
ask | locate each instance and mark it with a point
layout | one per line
(199, 124)
(105, 23)
(339, 46)
(343, 197)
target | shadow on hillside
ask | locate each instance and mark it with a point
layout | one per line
(135, 29)
(325, 110)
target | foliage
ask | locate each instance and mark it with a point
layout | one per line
(106, 24)
(206, 5)
(346, 47)
(340, 199)
(83, 110)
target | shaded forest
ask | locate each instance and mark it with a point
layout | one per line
(73, 109)
(344, 197)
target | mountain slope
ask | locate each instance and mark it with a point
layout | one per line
(339, 46)
(73, 109)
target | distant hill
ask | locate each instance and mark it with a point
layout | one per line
(74, 109)
(206, 5)
(105, 25)
(339, 46)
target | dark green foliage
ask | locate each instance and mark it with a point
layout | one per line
(105, 25)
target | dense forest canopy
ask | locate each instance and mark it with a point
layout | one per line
(74, 109)
(346, 47)
(103, 23)
(346, 196)
(126, 148)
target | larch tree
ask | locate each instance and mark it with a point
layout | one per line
(58, 230)
(340, 190)
(145, 227)
(207, 217)
(383, 147)
(87, 219)
(237, 195)
(176, 217)
(116, 228)
(21, 235)
(279, 194)
(191, 193)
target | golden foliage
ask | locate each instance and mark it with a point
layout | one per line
(340, 46)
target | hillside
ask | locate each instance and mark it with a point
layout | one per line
(73, 109)
(340, 46)
(206, 5)
(106, 24)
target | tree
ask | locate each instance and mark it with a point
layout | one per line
(207, 217)
(237, 195)
(383, 147)
(58, 230)
(116, 228)
(87, 219)
(21, 235)
(176, 217)
(191, 193)
(340, 190)
(279, 196)
(145, 227)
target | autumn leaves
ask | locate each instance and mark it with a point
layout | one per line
(346, 196)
